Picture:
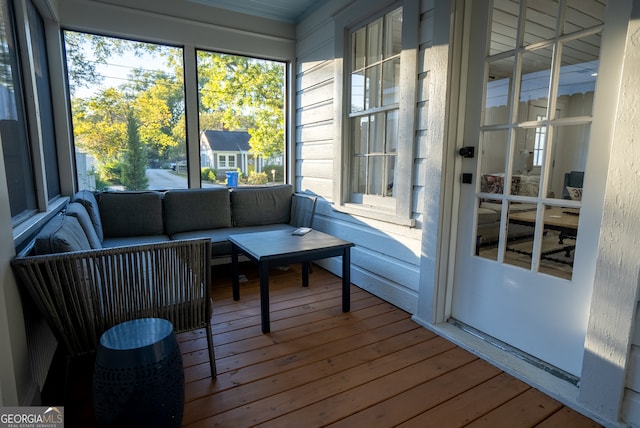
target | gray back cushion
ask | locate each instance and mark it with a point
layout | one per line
(61, 234)
(253, 206)
(131, 213)
(77, 210)
(196, 209)
(88, 199)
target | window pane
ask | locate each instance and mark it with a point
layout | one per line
(242, 105)
(391, 82)
(41, 69)
(534, 83)
(498, 92)
(358, 43)
(374, 42)
(127, 103)
(581, 14)
(376, 139)
(493, 161)
(504, 26)
(357, 91)
(359, 175)
(569, 146)
(375, 173)
(578, 73)
(392, 132)
(372, 95)
(13, 131)
(390, 178)
(360, 135)
(393, 36)
(541, 20)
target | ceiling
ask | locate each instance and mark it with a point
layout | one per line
(289, 11)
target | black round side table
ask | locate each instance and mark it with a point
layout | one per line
(138, 378)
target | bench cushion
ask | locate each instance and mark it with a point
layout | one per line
(77, 210)
(253, 206)
(196, 209)
(61, 234)
(88, 199)
(131, 214)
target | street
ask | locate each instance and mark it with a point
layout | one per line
(163, 179)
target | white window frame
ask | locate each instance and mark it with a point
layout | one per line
(397, 209)
(226, 161)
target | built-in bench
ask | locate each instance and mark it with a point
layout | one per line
(115, 256)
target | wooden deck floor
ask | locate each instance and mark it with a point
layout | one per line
(370, 367)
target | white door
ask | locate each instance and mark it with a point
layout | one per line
(529, 100)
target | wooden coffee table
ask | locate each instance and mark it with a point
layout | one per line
(280, 247)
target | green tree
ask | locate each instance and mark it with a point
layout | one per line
(134, 163)
(236, 87)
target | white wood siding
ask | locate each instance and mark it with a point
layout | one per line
(386, 259)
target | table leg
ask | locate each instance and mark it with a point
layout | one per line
(235, 274)
(264, 296)
(346, 280)
(305, 274)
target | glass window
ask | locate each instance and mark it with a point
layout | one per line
(127, 101)
(374, 107)
(13, 127)
(241, 117)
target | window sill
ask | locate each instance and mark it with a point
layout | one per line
(28, 228)
(374, 213)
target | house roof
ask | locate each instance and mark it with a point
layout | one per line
(226, 141)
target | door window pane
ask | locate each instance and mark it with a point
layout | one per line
(504, 26)
(534, 83)
(540, 21)
(498, 91)
(578, 74)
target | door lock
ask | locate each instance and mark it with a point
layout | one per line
(467, 151)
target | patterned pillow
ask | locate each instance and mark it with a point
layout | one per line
(575, 193)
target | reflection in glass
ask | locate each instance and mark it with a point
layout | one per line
(488, 229)
(374, 42)
(568, 145)
(577, 80)
(498, 92)
(390, 176)
(391, 82)
(534, 83)
(581, 14)
(393, 37)
(541, 20)
(493, 161)
(376, 129)
(357, 91)
(375, 175)
(529, 142)
(520, 232)
(358, 41)
(372, 88)
(392, 132)
(504, 26)
(358, 174)
(559, 241)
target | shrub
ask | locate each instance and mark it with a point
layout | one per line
(208, 174)
(279, 169)
(257, 178)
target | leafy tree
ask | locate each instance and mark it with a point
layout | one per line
(235, 87)
(134, 164)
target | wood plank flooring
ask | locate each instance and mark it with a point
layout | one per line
(370, 367)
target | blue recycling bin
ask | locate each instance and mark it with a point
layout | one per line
(232, 178)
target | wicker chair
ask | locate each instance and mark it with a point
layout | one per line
(82, 294)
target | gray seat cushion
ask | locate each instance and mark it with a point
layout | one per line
(127, 241)
(220, 245)
(61, 234)
(77, 210)
(196, 209)
(88, 199)
(254, 206)
(131, 214)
